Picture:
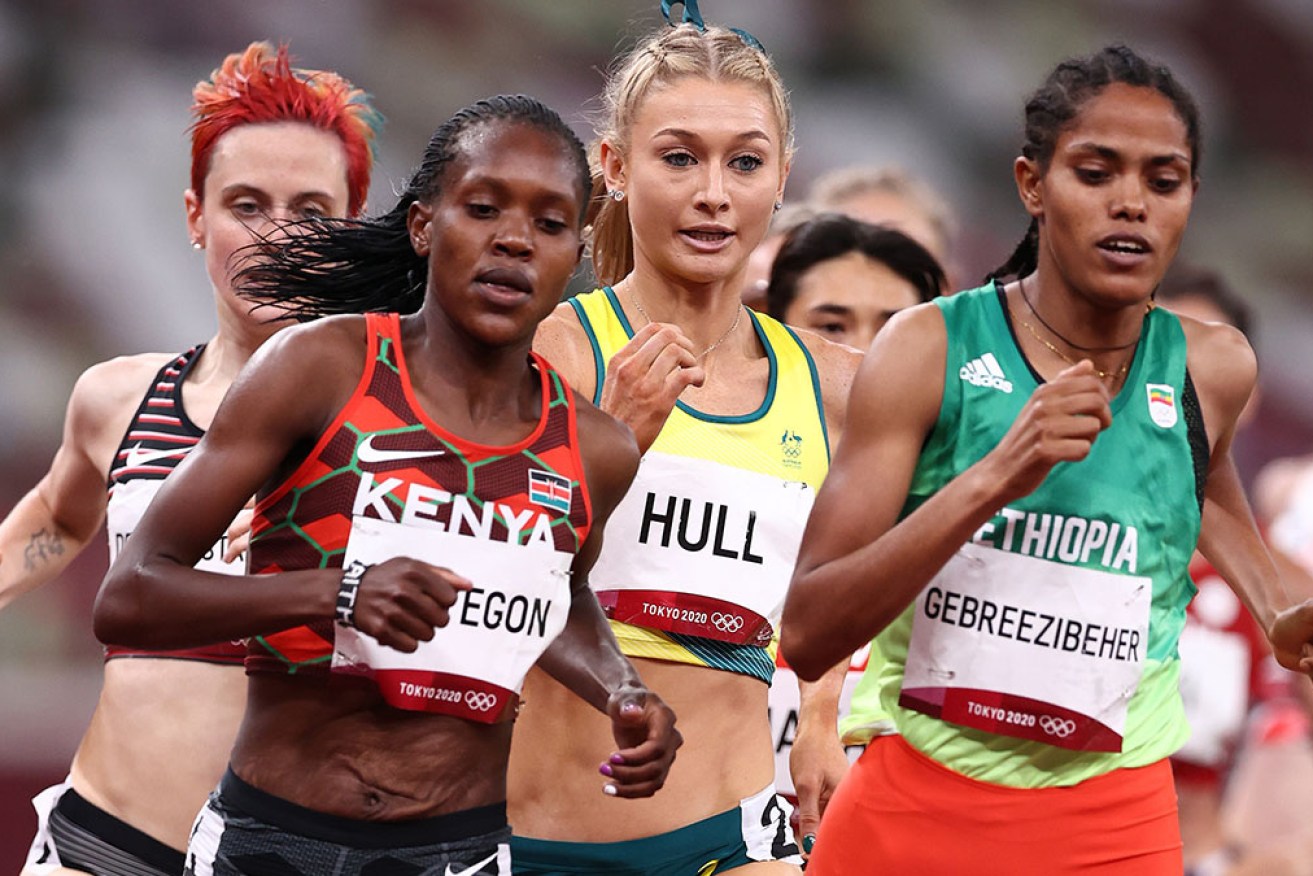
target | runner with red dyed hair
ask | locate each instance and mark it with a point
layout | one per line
(260, 86)
(270, 143)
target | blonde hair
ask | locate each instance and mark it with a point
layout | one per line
(716, 54)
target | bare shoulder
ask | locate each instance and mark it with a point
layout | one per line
(836, 365)
(608, 447)
(562, 341)
(120, 381)
(1217, 347)
(335, 342)
(900, 374)
(1223, 368)
(104, 399)
(300, 377)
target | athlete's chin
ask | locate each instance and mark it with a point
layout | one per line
(495, 332)
(709, 268)
(1121, 288)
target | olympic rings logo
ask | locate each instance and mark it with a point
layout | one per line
(726, 623)
(479, 701)
(1059, 727)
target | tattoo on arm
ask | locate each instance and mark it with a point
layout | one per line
(44, 546)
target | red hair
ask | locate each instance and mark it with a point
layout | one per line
(260, 85)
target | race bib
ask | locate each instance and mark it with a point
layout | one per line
(1029, 648)
(702, 549)
(474, 667)
(127, 505)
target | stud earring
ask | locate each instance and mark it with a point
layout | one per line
(196, 244)
(617, 195)
(779, 205)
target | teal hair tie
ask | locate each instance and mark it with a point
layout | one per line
(692, 15)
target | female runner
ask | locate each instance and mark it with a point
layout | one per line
(736, 415)
(844, 278)
(414, 472)
(270, 143)
(1027, 471)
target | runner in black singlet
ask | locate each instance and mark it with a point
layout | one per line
(269, 143)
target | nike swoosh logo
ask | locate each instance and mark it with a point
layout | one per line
(136, 456)
(473, 868)
(368, 453)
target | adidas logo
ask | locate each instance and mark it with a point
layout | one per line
(985, 371)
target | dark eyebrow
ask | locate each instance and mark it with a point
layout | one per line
(680, 133)
(832, 309)
(498, 187)
(1113, 155)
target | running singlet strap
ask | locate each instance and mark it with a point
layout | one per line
(699, 553)
(157, 440)
(384, 480)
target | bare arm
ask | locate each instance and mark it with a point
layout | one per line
(817, 761)
(53, 523)
(853, 555)
(281, 402)
(586, 658)
(1225, 372)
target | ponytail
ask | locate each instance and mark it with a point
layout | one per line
(1024, 259)
(326, 267)
(610, 239)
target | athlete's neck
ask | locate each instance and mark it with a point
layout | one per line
(223, 359)
(1084, 318)
(484, 392)
(703, 311)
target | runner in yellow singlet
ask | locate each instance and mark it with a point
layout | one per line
(736, 415)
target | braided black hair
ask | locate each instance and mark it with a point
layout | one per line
(330, 266)
(1057, 102)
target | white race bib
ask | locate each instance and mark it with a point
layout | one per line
(703, 549)
(474, 667)
(1029, 648)
(127, 505)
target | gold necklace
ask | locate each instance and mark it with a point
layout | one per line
(1103, 375)
(1021, 287)
(738, 314)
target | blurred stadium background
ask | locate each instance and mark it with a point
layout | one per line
(94, 260)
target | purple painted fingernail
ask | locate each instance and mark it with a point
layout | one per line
(616, 758)
(605, 769)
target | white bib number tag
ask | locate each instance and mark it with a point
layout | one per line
(702, 549)
(1029, 648)
(474, 667)
(127, 505)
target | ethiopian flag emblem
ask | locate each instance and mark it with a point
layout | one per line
(1162, 404)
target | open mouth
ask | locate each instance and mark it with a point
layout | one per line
(1130, 245)
(506, 280)
(707, 238)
